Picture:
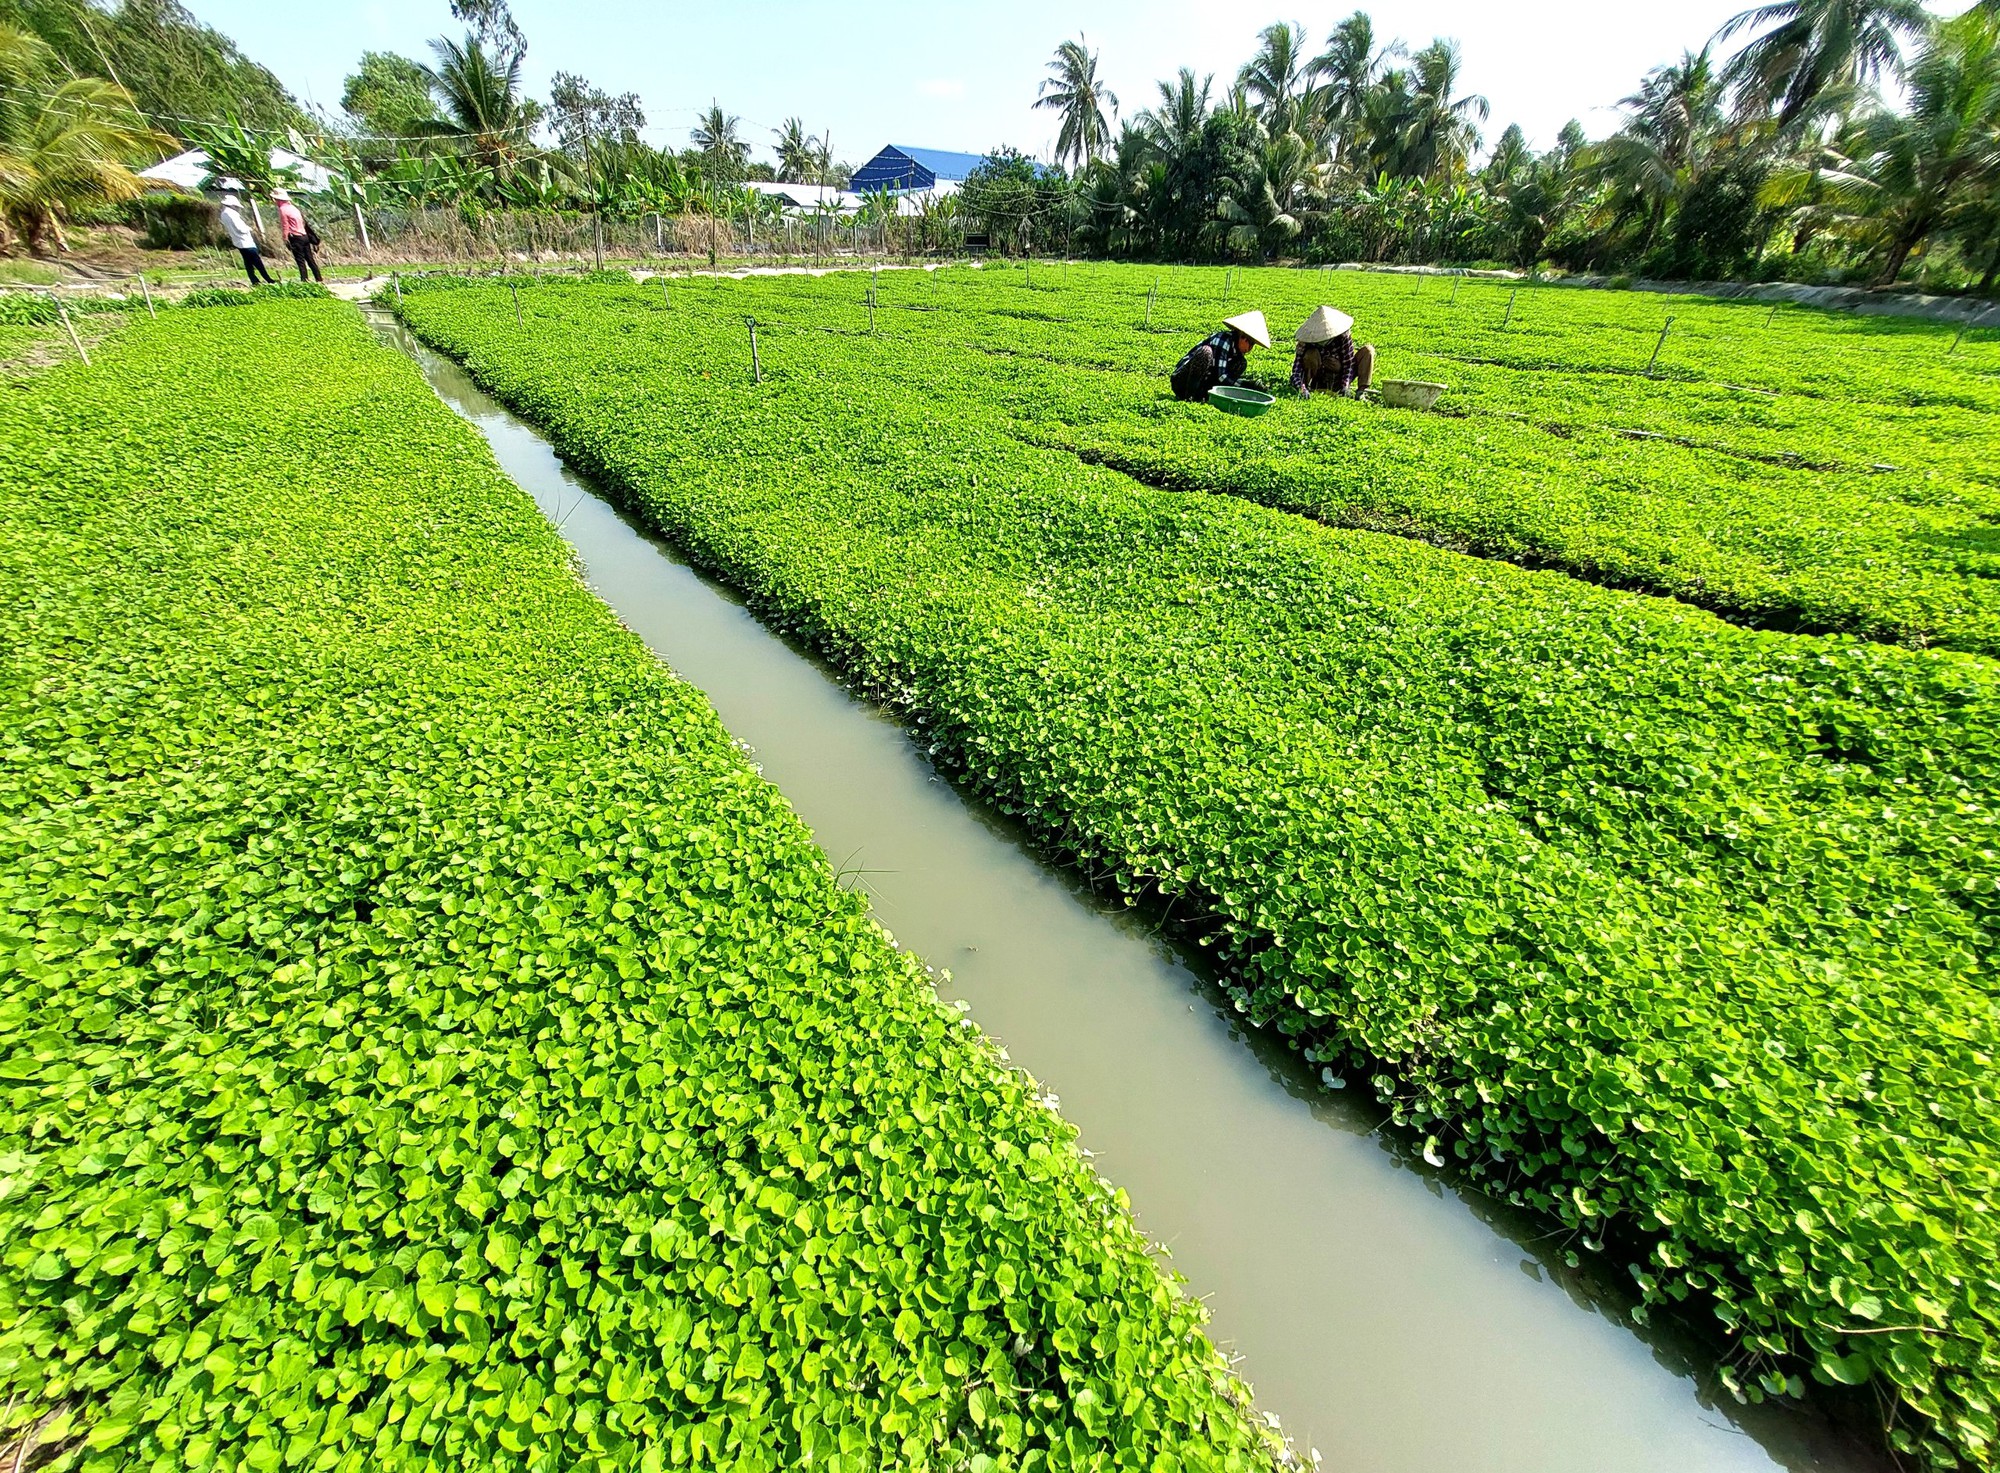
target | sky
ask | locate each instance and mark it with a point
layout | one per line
(957, 76)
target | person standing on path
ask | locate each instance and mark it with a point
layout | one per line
(300, 238)
(244, 239)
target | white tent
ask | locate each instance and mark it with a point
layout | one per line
(188, 170)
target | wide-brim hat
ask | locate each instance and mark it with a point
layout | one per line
(1252, 326)
(281, 194)
(1324, 326)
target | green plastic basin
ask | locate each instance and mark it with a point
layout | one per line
(1239, 401)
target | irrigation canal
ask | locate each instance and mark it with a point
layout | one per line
(1393, 1319)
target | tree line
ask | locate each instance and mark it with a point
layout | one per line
(1847, 140)
(1840, 140)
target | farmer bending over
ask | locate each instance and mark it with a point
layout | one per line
(1221, 357)
(1326, 358)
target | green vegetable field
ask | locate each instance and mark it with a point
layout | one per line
(425, 1042)
(1803, 471)
(1675, 928)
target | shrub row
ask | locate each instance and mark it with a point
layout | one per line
(426, 1043)
(1678, 931)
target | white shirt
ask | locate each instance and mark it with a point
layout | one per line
(238, 232)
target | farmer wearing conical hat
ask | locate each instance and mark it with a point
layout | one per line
(1326, 360)
(1221, 357)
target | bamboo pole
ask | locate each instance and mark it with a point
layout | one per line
(1454, 289)
(70, 327)
(756, 364)
(1772, 314)
(1510, 308)
(1964, 326)
(1657, 346)
(1151, 296)
(147, 292)
(517, 303)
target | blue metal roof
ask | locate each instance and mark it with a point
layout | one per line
(913, 169)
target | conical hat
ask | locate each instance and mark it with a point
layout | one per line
(1251, 325)
(1324, 325)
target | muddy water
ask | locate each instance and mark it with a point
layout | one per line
(1393, 1320)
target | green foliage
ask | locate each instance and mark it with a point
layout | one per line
(175, 67)
(425, 1041)
(1678, 932)
(38, 309)
(389, 96)
(173, 222)
(239, 296)
(1818, 471)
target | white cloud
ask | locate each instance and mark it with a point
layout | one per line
(942, 87)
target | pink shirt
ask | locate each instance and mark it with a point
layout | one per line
(289, 218)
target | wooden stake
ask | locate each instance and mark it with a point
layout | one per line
(396, 280)
(871, 314)
(1510, 308)
(1228, 282)
(70, 327)
(147, 293)
(1454, 289)
(597, 238)
(1150, 296)
(667, 290)
(756, 364)
(517, 302)
(1774, 311)
(1963, 326)
(1657, 346)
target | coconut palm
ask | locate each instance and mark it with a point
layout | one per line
(1278, 77)
(479, 94)
(66, 148)
(1073, 90)
(716, 138)
(1441, 131)
(1175, 125)
(1811, 46)
(1675, 118)
(1913, 170)
(1348, 70)
(798, 153)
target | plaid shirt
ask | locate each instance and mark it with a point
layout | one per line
(1328, 366)
(1229, 359)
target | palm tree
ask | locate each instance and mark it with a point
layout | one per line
(1676, 116)
(798, 153)
(69, 146)
(1913, 170)
(1351, 66)
(721, 147)
(1276, 78)
(480, 95)
(1442, 130)
(1812, 46)
(1175, 125)
(1074, 91)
